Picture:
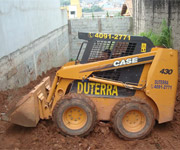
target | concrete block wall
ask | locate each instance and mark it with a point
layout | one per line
(122, 25)
(24, 65)
(149, 14)
(34, 38)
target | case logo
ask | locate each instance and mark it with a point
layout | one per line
(125, 61)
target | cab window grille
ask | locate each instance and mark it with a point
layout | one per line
(118, 49)
(123, 49)
(98, 48)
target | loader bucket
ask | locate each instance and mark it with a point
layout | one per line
(26, 112)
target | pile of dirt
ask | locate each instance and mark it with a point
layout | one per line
(46, 136)
(10, 97)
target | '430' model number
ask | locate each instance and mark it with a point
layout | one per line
(166, 71)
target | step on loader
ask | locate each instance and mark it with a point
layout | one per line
(118, 78)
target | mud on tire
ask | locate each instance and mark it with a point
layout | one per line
(75, 115)
(132, 119)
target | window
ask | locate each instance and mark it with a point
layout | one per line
(72, 12)
(113, 49)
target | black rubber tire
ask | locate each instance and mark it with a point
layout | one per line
(79, 100)
(125, 106)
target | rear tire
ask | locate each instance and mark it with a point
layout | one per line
(132, 119)
(75, 115)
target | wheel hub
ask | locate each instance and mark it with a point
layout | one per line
(134, 121)
(74, 118)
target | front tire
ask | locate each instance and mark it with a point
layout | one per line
(132, 119)
(75, 115)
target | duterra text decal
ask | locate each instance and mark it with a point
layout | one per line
(97, 89)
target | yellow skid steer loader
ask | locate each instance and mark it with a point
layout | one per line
(119, 78)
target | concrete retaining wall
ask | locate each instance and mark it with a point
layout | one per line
(34, 38)
(122, 25)
(24, 65)
(149, 14)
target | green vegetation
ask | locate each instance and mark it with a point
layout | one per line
(65, 2)
(107, 14)
(92, 15)
(152, 36)
(161, 39)
(94, 8)
(71, 59)
(118, 14)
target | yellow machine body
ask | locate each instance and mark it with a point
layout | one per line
(157, 87)
(120, 78)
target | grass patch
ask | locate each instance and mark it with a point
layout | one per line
(161, 39)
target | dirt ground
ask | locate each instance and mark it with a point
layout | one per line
(45, 135)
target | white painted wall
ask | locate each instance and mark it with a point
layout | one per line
(23, 21)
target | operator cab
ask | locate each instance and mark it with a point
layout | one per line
(102, 46)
